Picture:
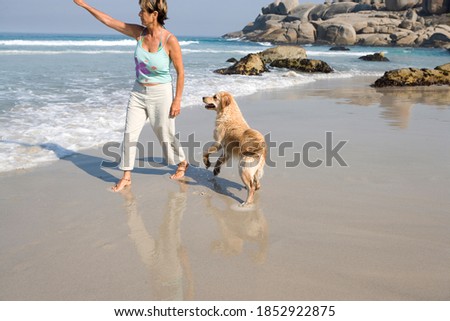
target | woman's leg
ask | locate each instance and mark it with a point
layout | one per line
(136, 117)
(164, 127)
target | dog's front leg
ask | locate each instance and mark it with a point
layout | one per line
(211, 150)
(222, 159)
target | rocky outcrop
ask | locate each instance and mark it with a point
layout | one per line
(303, 65)
(291, 57)
(250, 65)
(415, 77)
(379, 56)
(350, 23)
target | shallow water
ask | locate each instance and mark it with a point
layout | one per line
(70, 92)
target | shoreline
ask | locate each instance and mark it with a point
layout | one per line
(374, 230)
(299, 91)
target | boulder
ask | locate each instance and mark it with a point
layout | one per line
(263, 22)
(404, 39)
(302, 11)
(250, 65)
(386, 29)
(291, 35)
(338, 8)
(399, 5)
(415, 77)
(273, 35)
(282, 7)
(379, 56)
(359, 26)
(407, 24)
(303, 65)
(306, 33)
(339, 48)
(286, 6)
(363, 7)
(411, 15)
(232, 60)
(410, 20)
(373, 40)
(436, 6)
(367, 30)
(335, 33)
(271, 8)
(317, 12)
(440, 37)
(282, 52)
(443, 28)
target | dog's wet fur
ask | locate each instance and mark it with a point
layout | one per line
(235, 138)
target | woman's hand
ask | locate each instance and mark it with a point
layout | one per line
(81, 3)
(175, 109)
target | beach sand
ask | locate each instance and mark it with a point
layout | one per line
(376, 229)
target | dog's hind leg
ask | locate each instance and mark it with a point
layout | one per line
(257, 182)
(258, 175)
(249, 181)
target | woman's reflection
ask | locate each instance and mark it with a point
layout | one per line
(165, 256)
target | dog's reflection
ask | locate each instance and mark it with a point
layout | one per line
(164, 256)
(238, 226)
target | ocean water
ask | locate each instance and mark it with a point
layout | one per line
(63, 93)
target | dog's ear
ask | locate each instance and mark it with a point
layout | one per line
(226, 99)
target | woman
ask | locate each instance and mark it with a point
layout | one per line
(152, 94)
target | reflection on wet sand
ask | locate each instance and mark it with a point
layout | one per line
(396, 103)
(238, 226)
(164, 256)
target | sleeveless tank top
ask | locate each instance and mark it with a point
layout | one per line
(152, 67)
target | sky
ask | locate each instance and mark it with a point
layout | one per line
(186, 17)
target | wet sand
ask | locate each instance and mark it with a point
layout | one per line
(376, 229)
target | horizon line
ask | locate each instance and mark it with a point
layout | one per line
(92, 34)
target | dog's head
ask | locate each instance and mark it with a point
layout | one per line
(219, 101)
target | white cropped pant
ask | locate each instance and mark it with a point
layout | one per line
(152, 103)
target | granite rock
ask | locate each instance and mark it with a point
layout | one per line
(303, 65)
(415, 77)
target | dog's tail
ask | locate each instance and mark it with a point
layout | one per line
(253, 144)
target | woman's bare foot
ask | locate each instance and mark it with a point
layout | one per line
(181, 170)
(124, 182)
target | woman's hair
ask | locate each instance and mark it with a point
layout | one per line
(159, 6)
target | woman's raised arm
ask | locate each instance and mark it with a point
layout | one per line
(131, 30)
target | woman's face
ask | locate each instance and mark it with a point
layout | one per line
(147, 18)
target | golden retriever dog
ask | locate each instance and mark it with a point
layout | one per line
(235, 138)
